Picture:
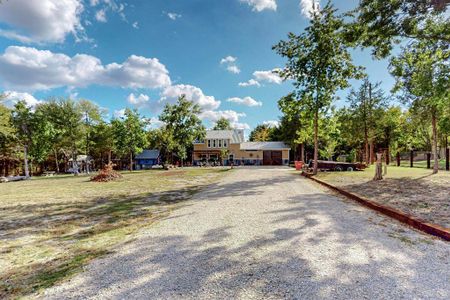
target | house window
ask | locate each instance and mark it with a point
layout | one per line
(220, 143)
(225, 143)
(231, 157)
(209, 143)
(214, 144)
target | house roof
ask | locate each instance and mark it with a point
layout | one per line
(264, 146)
(148, 154)
(236, 136)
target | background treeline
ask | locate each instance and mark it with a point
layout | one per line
(369, 121)
(54, 134)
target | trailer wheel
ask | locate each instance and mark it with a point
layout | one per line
(338, 168)
(350, 169)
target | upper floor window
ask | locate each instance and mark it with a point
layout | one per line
(220, 143)
(214, 143)
(225, 143)
(209, 143)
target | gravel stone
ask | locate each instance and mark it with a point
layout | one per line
(267, 233)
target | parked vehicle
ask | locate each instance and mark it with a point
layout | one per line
(325, 165)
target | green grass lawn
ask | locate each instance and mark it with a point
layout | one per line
(50, 227)
(412, 190)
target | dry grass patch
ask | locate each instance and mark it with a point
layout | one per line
(50, 228)
(412, 190)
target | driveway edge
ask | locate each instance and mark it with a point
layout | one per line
(415, 222)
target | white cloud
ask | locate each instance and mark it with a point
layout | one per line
(173, 16)
(230, 63)
(138, 101)
(156, 123)
(268, 76)
(41, 21)
(12, 97)
(230, 115)
(100, 16)
(234, 69)
(28, 69)
(228, 59)
(260, 5)
(251, 82)
(272, 123)
(308, 7)
(135, 25)
(171, 93)
(247, 101)
(119, 113)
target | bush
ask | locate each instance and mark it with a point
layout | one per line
(106, 174)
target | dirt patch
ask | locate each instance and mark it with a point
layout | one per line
(173, 173)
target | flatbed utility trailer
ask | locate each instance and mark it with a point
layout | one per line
(325, 165)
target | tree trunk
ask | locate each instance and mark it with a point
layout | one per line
(366, 146)
(109, 156)
(316, 141)
(56, 160)
(378, 168)
(372, 152)
(435, 148)
(25, 161)
(131, 161)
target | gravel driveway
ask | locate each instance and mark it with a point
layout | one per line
(265, 233)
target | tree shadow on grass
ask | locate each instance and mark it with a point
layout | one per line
(417, 197)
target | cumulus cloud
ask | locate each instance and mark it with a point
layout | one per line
(138, 101)
(308, 7)
(135, 25)
(171, 93)
(173, 16)
(230, 115)
(247, 101)
(12, 97)
(119, 113)
(269, 76)
(260, 5)
(272, 123)
(230, 63)
(251, 82)
(41, 21)
(156, 123)
(26, 68)
(100, 16)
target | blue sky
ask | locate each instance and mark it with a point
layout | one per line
(143, 54)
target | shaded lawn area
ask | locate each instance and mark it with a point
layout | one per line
(422, 164)
(412, 190)
(51, 227)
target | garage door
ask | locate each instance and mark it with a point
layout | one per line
(272, 158)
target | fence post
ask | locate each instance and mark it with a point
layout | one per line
(398, 159)
(411, 158)
(428, 160)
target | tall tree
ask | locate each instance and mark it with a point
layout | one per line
(183, 125)
(129, 134)
(222, 124)
(261, 133)
(364, 105)
(422, 74)
(385, 23)
(22, 119)
(319, 64)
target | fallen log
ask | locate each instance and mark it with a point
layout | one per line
(12, 178)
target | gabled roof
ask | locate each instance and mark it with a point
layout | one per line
(148, 154)
(264, 146)
(236, 136)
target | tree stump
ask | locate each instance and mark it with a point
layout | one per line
(378, 168)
